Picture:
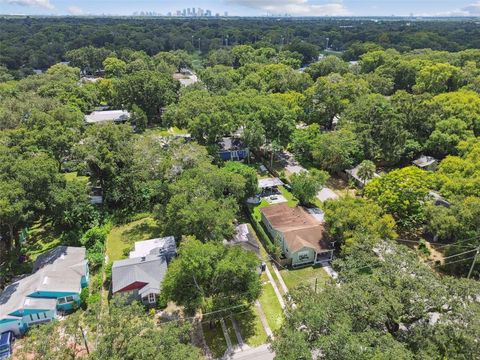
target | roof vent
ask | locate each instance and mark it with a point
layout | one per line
(143, 258)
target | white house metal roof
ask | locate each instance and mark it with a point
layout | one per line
(424, 161)
(109, 115)
(269, 182)
(165, 245)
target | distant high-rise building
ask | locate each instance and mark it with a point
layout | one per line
(208, 12)
(225, 13)
(179, 13)
(217, 14)
(189, 11)
(200, 12)
(194, 12)
(184, 12)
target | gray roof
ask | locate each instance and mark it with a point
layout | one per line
(150, 269)
(161, 246)
(424, 161)
(269, 182)
(244, 238)
(109, 115)
(60, 269)
(326, 194)
(231, 143)
(354, 174)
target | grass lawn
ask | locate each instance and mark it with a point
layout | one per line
(271, 307)
(161, 131)
(251, 328)
(122, 238)
(307, 276)
(215, 339)
(292, 202)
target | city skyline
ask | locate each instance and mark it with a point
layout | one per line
(246, 7)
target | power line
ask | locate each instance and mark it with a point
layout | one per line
(458, 254)
(453, 262)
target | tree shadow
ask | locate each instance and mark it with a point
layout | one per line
(246, 321)
(143, 231)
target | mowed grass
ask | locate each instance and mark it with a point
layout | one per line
(292, 202)
(271, 307)
(122, 238)
(305, 276)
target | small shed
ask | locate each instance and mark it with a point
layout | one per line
(244, 238)
(426, 163)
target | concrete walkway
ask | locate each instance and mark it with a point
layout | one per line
(275, 288)
(227, 337)
(280, 278)
(241, 344)
(263, 320)
(329, 270)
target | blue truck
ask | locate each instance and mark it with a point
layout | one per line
(6, 344)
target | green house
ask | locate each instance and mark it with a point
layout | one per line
(299, 234)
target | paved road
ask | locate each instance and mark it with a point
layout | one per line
(259, 353)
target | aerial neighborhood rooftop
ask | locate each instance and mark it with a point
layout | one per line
(303, 184)
(53, 288)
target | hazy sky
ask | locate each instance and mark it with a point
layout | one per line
(249, 7)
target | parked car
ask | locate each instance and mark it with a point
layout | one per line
(6, 344)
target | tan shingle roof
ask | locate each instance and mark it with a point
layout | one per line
(300, 229)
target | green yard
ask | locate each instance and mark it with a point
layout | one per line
(251, 328)
(121, 238)
(271, 307)
(161, 131)
(305, 276)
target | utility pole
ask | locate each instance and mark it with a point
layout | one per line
(84, 339)
(316, 281)
(473, 262)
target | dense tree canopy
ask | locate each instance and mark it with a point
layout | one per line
(211, 276)
(381, 311)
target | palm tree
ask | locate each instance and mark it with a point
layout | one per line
(366, 170)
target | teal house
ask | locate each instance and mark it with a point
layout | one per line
(52, 289)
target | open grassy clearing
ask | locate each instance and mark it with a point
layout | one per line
(121, 238)
(161, 131)
(305, 276)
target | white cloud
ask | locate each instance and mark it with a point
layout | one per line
(32, 3)
(294, 7)
(472, 9)
(75, 10)
(469, 10)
